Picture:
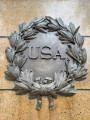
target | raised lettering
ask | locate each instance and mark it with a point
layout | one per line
(33, 52)
(46, 53)
(57, 55)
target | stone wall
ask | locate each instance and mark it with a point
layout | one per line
(14, 12)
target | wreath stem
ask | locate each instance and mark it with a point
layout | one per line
(39, 102)
(51, 105)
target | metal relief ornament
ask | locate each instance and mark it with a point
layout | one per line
(45, 58)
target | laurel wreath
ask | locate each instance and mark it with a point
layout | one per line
(62, 84)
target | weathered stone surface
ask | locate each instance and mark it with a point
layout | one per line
(21, 108)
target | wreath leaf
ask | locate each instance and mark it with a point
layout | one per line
(67, 35)
(13, 39)
(59, 77)
(21, 46)
(36, 20)
(79, 40)
(27, 77)
(84, 56)
(22, 85)
(41, 30)
(53, 21)
(21, 26)
(68, 90)
(60, 22)
(74, 52)
(77, 29)
(51, 26)
(72, 27)
(79, 72)
(12, 73)
(27, 26)
(10, 52)
(42, 25)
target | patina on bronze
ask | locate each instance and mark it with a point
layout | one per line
(45, 58)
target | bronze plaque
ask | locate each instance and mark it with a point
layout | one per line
(45, 58)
